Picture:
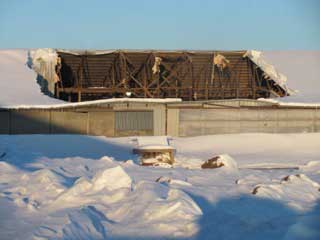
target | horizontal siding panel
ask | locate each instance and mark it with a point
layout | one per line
(137, 120)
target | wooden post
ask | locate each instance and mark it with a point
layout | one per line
(80, 78)
(206, 86)
(253, 82)
(79, 96)
(58, 92)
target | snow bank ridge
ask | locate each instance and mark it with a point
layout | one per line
(299, 191)
(112, 179)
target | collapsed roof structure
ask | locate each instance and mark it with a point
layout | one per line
(189, 75)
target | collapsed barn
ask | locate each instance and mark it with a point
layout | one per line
(189, 75)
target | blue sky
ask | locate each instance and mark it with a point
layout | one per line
(161, 24)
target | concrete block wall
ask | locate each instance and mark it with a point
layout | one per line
(195, 122)
(91, 121)
(4, 122)
(172, 120)
(57, 122)
(68, 122)
(101, 124)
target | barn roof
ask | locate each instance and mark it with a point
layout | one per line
(18, 83)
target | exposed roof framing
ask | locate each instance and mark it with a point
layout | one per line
(190, 75)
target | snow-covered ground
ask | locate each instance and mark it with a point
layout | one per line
(83, 187)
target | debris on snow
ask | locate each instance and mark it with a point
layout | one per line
(312, 166)
(163, 179)
(297, 179)
(220, 161)
(212, 163)
(169, 180)
(299, 191)
(156, 159)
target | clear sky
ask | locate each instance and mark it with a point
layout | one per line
(161, 24)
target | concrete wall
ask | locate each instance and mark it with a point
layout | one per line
(101, 124)
(194, 122)
(4, 122)
(29, 122)
(68, 122)
(184, 119)
(100, 120)
(173, 122)
(57, 122)
(159, 120)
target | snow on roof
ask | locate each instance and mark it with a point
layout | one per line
(302, 69)
(18, 83)
(95, 102)
(20, 87)
(43, 62)
(271, 72)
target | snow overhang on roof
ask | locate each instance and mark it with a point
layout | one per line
(269, 70)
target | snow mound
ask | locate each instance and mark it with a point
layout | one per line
(7, 168)
(36, 189)
(228, 161)
(162, 211)
(74, 196)
(298, 179)
(252, 180)
(312, 166)
(298, 191)
(84, 223)
(46, 177)
(107, 186)
(112, 179)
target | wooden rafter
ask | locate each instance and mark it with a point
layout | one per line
(186, 75)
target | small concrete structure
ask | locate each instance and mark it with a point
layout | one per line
(152, 147)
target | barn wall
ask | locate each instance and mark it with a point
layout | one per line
(184, 119)
(129, 123)
(68, 122)
(195, 122)
(4, 122)
(120, 119)
(29, 122)
(101, 123)
(173, 122)
(159, 120)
